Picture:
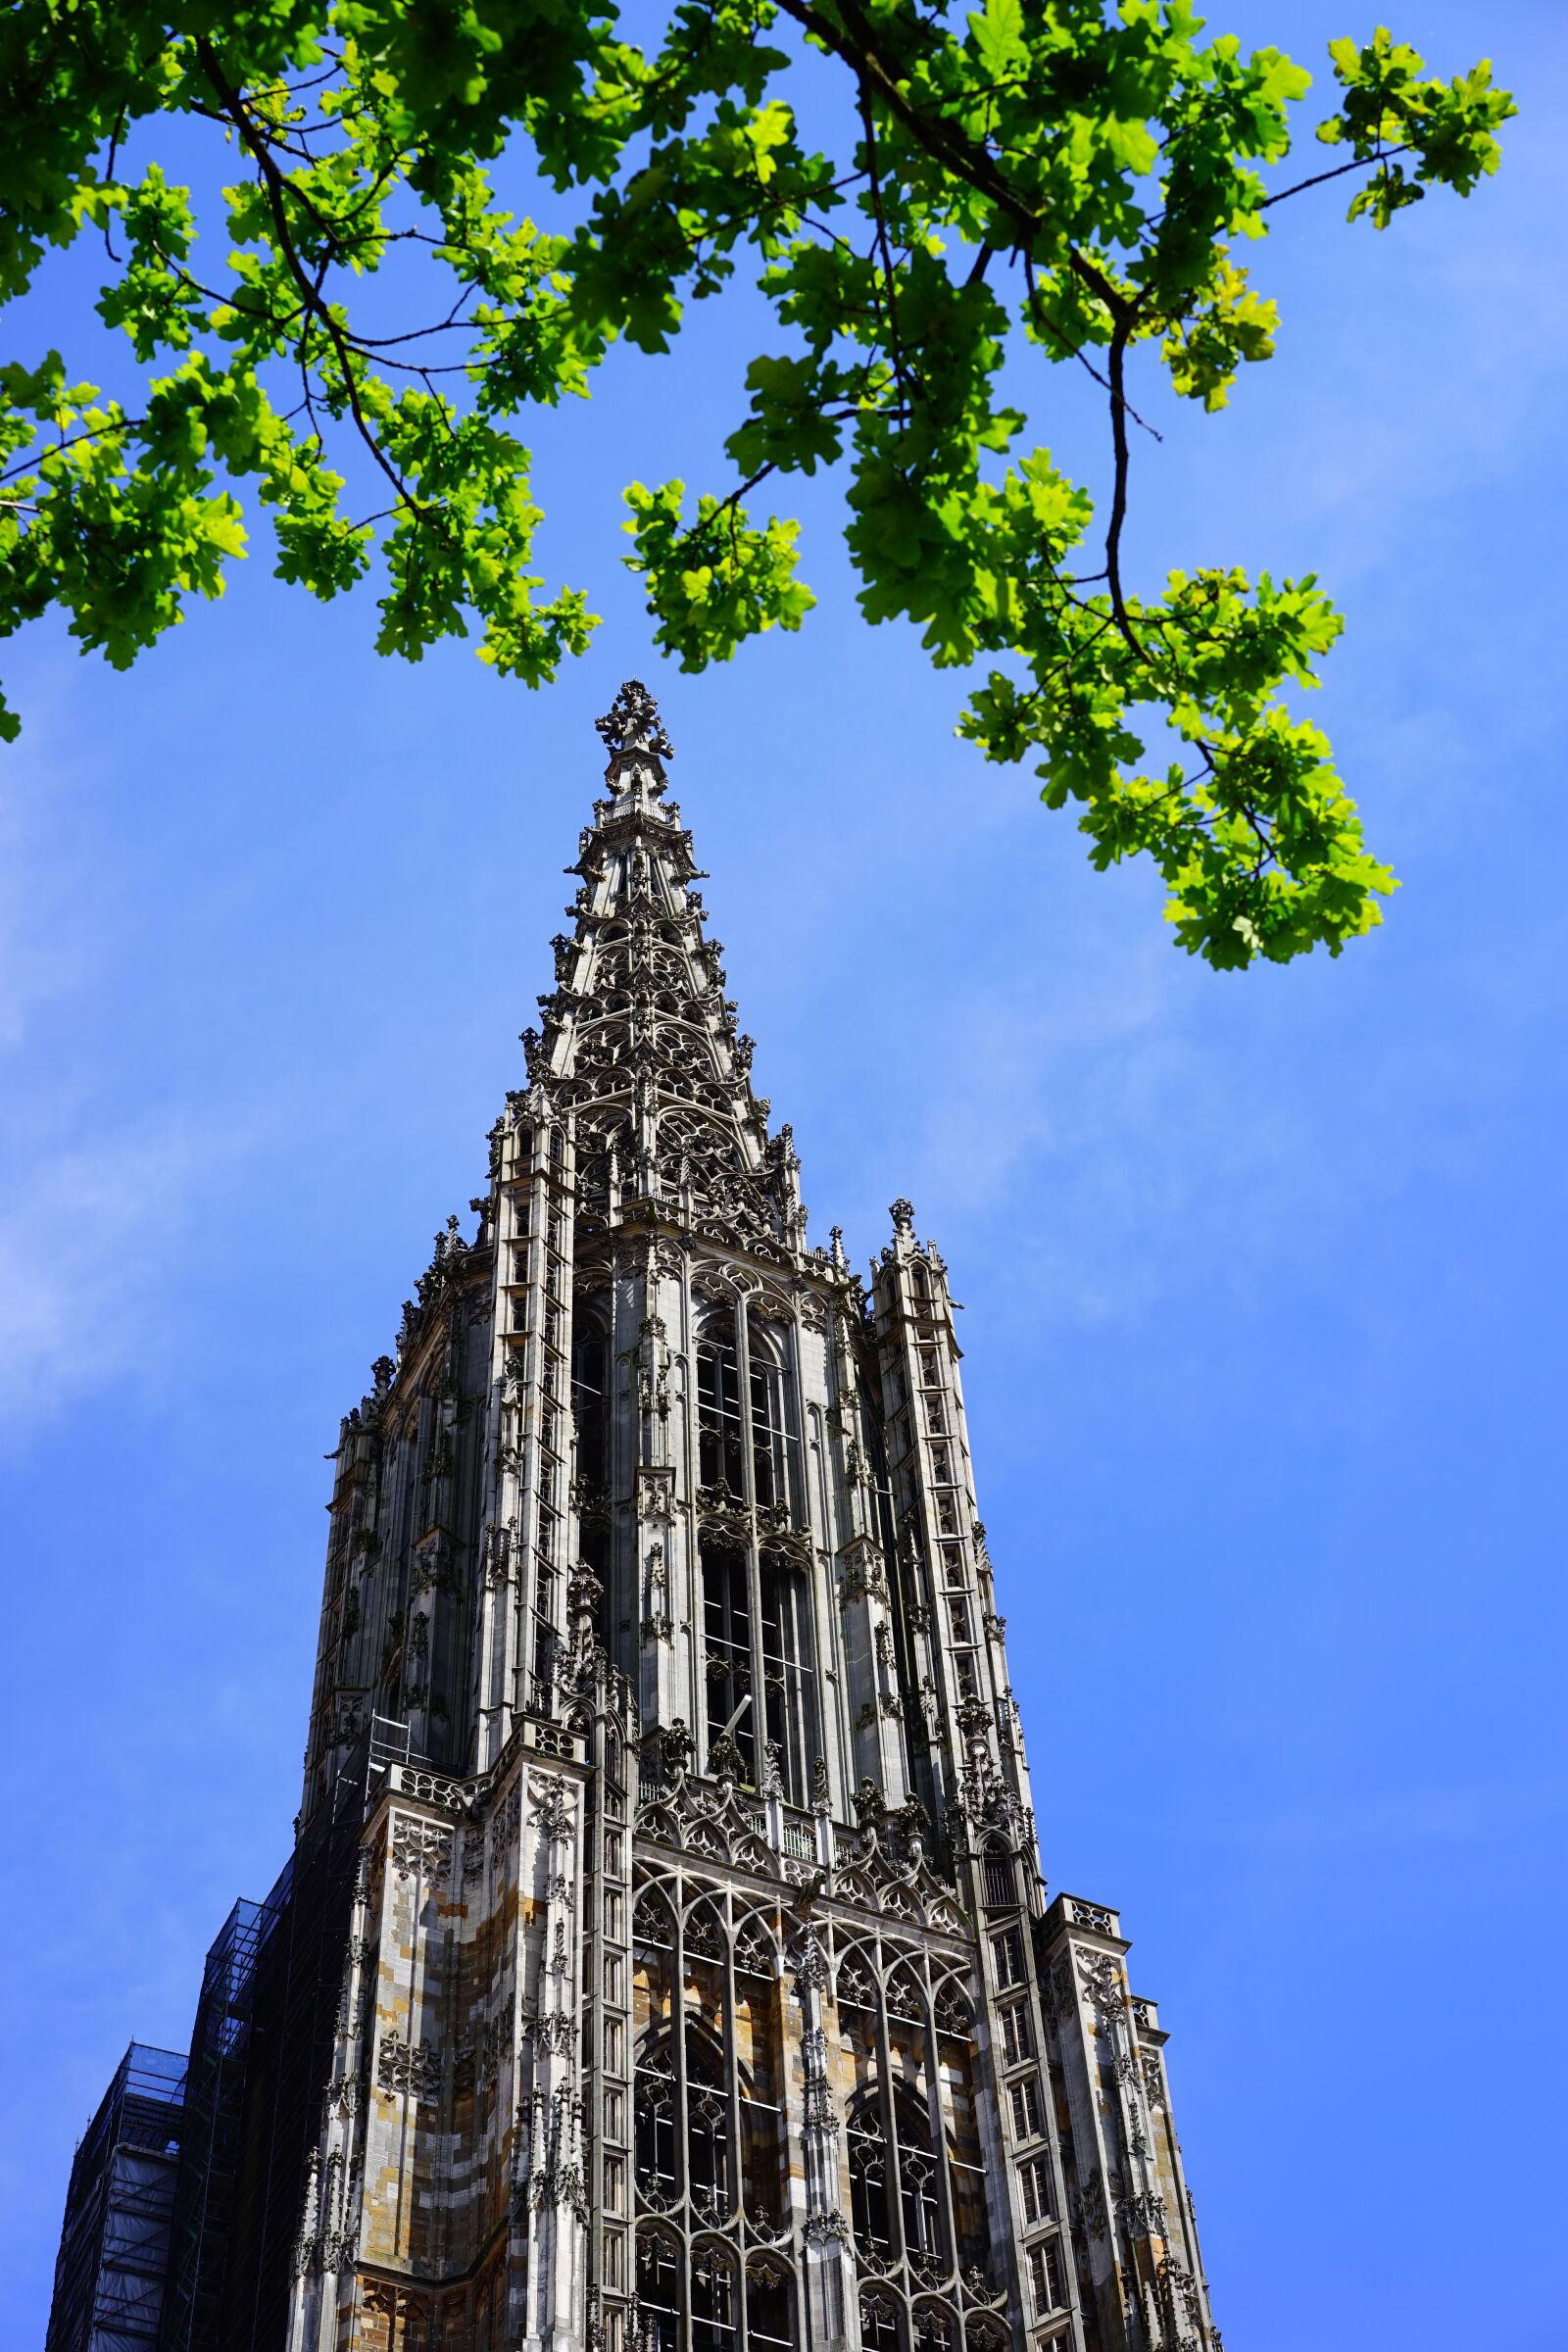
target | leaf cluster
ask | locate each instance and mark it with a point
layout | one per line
(1057, 184)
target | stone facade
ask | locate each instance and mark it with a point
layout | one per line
(699, 1986)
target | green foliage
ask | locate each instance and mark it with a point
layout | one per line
(1055, 183)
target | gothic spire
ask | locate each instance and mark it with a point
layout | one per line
(639, 1044)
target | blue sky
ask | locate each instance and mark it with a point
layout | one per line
(1263, 1274)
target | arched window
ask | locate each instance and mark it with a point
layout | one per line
(917, 2174)
(655, 2104)
(769, 2314)
(869, 2207)
(720, 1441)
(658, 2290)
(706, 2124)
(998, 1877)
(879, 2325)
(714, 2317)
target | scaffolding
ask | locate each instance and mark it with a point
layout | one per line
(260, 2053)
(220, 2072)
(113, 2245)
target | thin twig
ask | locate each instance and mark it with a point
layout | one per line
(1357, 163)
(277, 190)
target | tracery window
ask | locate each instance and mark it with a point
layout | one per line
(918, 2176)
(655, 2126)
(760, 1664)
(714, 2317)
(706, 2124)
(869, 2209)
(879, 2326)
(744, 1411)
(769, 2303)
(658, 2290)
(710, 2054)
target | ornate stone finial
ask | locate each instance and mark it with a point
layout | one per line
(632, 723)
(902, 1214)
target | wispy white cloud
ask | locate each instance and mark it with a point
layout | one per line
(86, 1235)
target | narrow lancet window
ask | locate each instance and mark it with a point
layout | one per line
(590, 1399)
(772, 1422)
(720, 1441)
(727, 1641)
(788, 1674)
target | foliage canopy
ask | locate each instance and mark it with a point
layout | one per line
(1047, 181)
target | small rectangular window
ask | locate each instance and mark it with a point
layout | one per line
(1025, 2096)
(1006, 1953)
(961, 1620)
(1035, 2180)
(1046, 2280)
(1018, 2039)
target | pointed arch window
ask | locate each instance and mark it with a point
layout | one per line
(658, 2290)
(714, 2300)
(656, 2126)
(706, 2123)
(917, 2176)
(1000, 1875)
(879, 2325)
(769, 2315)
(869, 2207)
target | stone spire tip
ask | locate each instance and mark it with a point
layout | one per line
(632, 723)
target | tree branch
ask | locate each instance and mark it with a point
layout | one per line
(277, 190)
(1357, 163)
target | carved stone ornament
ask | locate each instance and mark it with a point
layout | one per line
(1093, 2206)
(412, 2068)
(419, 1849)
(632, 723)
(1102, 1985)
(547, 1801)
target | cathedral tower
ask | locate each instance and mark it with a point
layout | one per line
(664, 1964)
